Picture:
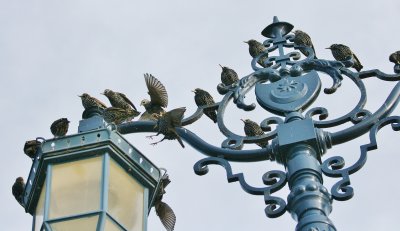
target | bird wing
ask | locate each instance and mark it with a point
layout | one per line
(126, 99)
(167, 215)
(158, 93)
(100, 103)
(175, 116)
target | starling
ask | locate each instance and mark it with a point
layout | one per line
(118, 99)
(118, 115)
(255, 49)
(18, 189)
(303, 39)
(31, 147)
(158, 98)
(342, 53)
(228, 76)
(395, 57)
(59, 127)
(251, 128)
(203, 98)
(89, 102)
(163, 211)
(166, 124)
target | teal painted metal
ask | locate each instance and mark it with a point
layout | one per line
(99, 140)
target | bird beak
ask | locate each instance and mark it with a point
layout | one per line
(80, 96)
(246, 42)
(194, 91)
(102, 93)
(328, 48)
(242, 120)
(221, 66)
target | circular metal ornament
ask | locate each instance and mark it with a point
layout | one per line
(289, 94)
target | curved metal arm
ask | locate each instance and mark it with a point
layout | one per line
(364, 126)
(200, 145)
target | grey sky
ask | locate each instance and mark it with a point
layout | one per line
(51, 51)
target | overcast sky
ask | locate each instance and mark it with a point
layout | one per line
(52, 50)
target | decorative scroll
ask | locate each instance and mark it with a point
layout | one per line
(334, 166)
(275, 180)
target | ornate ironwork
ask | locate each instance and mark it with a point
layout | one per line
(286, 85)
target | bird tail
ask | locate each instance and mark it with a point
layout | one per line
(180, 141)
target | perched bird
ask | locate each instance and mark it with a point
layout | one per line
(89, 102)
(203, 98)
(255, 49)
(395, 57)
(166, 124)
(118, 99)
(158, 98)
(118, 115)
(59, 127)
(341, 53)
(18, 189)
(163, 211)
(228, 76)
(251, 128)
(31, 147)
(303, 39)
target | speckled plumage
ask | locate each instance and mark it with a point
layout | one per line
(166, 124)
(31, 147)
(251, 128)
(118, 115)
(203, 98)
(158, 98)
(255, 49)
(228, 76)
(395, 57)
(59, 127)
(342, 52)
(118, 100)
(301, 38)
(90, 102)
(18, 189)
(163, 210)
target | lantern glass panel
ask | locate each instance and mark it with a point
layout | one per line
(40, 209)
(75, 187)
(111, 226)
(79, 224)
(125, 198)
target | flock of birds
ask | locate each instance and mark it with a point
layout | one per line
(123, 110)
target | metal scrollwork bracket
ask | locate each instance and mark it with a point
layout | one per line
(275, 180)
(333, 167)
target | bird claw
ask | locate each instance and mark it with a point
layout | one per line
(149, 137)
(154, 144)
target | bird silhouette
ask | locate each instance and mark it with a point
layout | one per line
(119, 115)
(203, 98)
(59, 127)
(342, 53)
(395, 57)
(158, 98)
(251, 128)
(18, 189)
(255, 49)
(301, 38)
(90, 102)
(163, 210)
(31, 147)
(167, 123)
(228, 76)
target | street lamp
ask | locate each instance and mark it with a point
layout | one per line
(92, 180)
(87, 170)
